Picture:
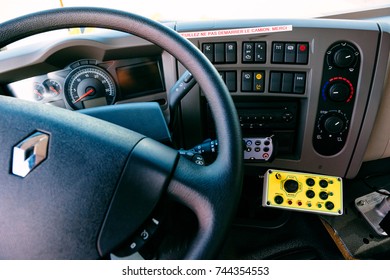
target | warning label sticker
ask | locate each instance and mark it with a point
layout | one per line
(238, 31)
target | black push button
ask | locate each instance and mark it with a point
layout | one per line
(246, 81)
(291, 186)
(219, 53)
(290, 53)
(277, 52)
(260, 52)
(302, 53)
(231, 80)
(278, 199)
(323, 183)
(258, 81)
(299, 83)
(310, 182)
(324, 195)
(329, 205)
(248, 52)
(310, 194)
(231, 53)
(208, 50)
(287, 82)
(275, 82)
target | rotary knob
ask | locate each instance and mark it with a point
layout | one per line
(339, 92)
(334, 124)
(344, 57)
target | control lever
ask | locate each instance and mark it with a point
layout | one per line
(257, 149)
(197, 153)
(185, 83)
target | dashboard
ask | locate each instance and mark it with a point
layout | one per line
(311, 95)
(312, 86)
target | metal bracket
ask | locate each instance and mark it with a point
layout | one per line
(374, 207)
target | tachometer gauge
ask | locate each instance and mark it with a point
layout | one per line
(89, 86)
(53, 88)
(38, 91)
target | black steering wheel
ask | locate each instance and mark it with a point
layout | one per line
(99, 182)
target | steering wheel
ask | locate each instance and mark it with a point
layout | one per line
(99, 182)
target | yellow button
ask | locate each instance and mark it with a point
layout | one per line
(259, 76)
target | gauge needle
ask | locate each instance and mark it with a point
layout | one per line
(37, 93)
(84, 95)
(53, 89)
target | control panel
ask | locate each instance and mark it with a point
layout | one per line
(337, 96)
(258, 149)
(244, 66)
(254, 53)
(303, 192)
(313, 86)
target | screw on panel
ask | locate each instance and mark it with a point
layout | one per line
(360, 203)
(278, 176)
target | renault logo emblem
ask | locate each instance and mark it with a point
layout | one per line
(29, 153)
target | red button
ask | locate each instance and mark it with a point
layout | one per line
(302, 48)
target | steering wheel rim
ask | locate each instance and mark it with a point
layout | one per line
(212, 192)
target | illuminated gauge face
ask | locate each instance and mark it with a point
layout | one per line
(89, 86)
(53, 88)
(38, 92)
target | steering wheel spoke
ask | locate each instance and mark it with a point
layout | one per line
(143, 181)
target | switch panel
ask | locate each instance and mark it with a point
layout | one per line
(303, 192)
(221, 53)
(290, 53)
(252, 81)
(230, 79)
(287, 82)
(254, 52)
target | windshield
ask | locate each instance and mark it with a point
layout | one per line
(203, 9)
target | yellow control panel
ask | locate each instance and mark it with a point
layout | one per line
(303, 192)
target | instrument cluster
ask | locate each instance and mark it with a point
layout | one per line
(89, 83)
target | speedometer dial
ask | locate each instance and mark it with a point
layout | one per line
(89, 86)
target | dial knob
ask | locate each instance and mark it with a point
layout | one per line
(334, 124)
(291, 186)
(344, 57)
(339, 92)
